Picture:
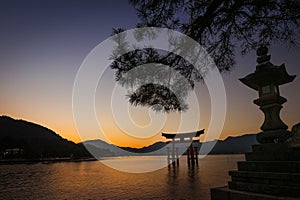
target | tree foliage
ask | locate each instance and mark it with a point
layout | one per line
(218, 25)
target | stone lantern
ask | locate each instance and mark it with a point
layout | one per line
(272, 170)
(266, 80)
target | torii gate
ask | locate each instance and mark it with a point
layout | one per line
(190, 137)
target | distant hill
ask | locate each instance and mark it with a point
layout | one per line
(234, 145)
(95, 147)
(36, 141)
(231, 145)
(125, 151)
(151, 148)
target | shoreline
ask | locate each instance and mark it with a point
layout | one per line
(43, 161)
(67, 159)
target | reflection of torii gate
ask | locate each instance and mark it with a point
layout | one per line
(190, 137)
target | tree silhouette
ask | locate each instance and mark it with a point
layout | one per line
(218, 25)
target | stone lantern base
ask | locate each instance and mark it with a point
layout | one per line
(273, 136)
(271, 171)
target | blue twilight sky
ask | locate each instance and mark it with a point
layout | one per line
(43, 43)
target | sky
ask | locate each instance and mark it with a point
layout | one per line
(44, 43)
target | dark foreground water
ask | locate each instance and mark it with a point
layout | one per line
(94, 180)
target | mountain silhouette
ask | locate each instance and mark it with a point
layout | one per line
(36, 141)
(231, 145)
(153, 149)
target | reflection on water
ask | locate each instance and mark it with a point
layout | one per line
(94, 180)
(136, 164)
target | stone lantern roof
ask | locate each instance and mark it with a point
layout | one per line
(266, 73)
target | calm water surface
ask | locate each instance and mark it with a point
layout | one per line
(94, 180)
